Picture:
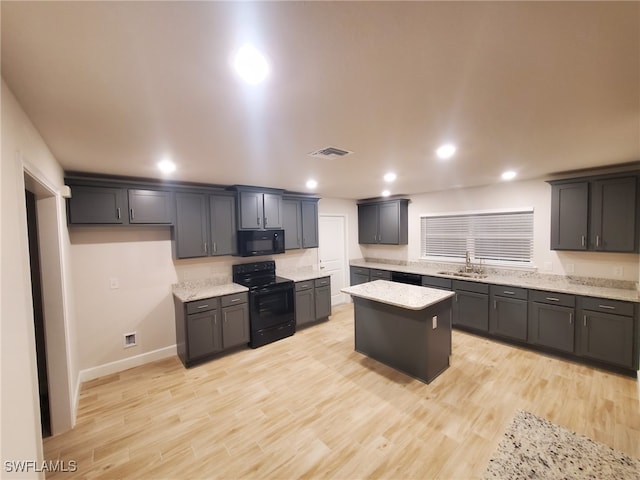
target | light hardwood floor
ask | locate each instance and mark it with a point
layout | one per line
(309, 406)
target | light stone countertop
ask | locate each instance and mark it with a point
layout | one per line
(411, 297)
(189, 291)
(586, 286)
(303, 275)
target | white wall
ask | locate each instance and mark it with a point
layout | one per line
(534, 193)
(23, 148)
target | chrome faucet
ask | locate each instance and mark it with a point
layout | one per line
(468, 267)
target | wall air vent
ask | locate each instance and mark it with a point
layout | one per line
(330, 153)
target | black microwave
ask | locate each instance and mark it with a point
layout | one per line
(252, 243)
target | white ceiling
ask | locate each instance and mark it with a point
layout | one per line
(534, 87)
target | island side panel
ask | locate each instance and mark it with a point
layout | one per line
(404, 339)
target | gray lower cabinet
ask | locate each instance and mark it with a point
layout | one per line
(606, 331)
(375, 274)
(204, 226)
(471, 305)
(551, 321)
(508, 312)
(436, 282)
(207, 327)
(90, 205)
(359, 275)
(313, 300)
(150, 206)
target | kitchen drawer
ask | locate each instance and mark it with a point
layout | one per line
(321, 282)
(552, 298)
(436, 282)
(360, 270)
(306, 285)
(380, 275)
(235, 299)
(509, 292)
(608, 306)
(202, 305)
(475, 287)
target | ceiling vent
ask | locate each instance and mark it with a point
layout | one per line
(330, 153)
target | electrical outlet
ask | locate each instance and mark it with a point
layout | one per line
(618, 271)
(434, 322)
(114, 283)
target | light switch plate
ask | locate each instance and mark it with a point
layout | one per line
(114, 283)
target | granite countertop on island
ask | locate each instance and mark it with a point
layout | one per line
(586, 286)
(189, 291)
(401, 295)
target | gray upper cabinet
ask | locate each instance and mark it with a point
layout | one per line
(259, 210)
(222, 216)
(190, 233)
(96, 205)
(300, 223)
(597, 214)
(383, 222)
(150, 206)
(614, 215)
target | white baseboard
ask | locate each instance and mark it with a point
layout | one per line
(124, 364)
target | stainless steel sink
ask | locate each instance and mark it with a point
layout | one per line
(464, 274)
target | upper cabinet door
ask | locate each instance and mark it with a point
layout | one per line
(251, 210)
(389, 229)
(614, 215)
(272, 211)
(191, 226)
(97, 205)
(292, 224)
(150, 206)
(368, 223)
(222, 216)
(569, 216)
(309, 223)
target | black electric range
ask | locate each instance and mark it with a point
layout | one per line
(271, 301)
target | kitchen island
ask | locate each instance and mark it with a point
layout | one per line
(406, 327)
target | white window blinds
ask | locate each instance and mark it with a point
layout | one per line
(501, 237)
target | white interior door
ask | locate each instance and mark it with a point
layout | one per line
(332, 253)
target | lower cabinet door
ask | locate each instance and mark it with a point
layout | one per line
(203, 334)
(235, 325)
(508, 318)
(471, 310)
(323, 302)
(607, 337)
(305, 307)
(551, 326)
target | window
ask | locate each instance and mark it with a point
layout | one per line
(504, 237)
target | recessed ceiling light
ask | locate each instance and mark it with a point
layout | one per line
(508, 175)
(166, 166)
(390, 177)
(446, 151)
(251, 65)
(311, 184)
(386, 193)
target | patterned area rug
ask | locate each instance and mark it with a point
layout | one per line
(533, 447)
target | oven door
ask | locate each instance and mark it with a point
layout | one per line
(271, 306)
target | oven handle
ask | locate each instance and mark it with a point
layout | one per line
(271, 289)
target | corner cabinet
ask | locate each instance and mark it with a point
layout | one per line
(300, 222)
(595, 214)
(205, 225)
(383, 222)
(207, 327)
(259, 210)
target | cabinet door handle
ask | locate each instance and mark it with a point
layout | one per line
(132, 215)
(553, 299)
(584, 319)
(205, 247)
(118, 213)
(583, 240)
(570, 318)
(235, 300)
(215, 318)
(507, 292)
(495, 304)
(265, 222)
(203, 306)
(215, 247)
(597, 240)
(607, 307)
(258, 220)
